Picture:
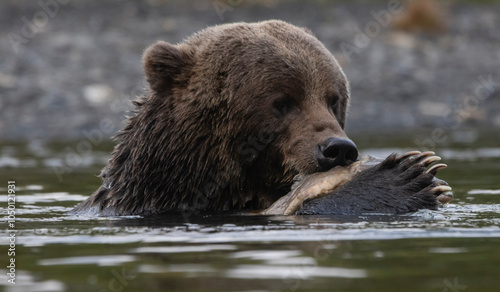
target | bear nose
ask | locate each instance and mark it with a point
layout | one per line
(336, 151)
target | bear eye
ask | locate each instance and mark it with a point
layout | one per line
(282, 105)
(334, 102)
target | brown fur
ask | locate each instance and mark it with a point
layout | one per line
(208, 135)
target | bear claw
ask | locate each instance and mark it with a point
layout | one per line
(435, 168)
(441, 189)
(407, 154)
(445, 198)
(414, 157)
(427, 161)
(426, 154)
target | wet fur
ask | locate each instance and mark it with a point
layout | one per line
(207, 137)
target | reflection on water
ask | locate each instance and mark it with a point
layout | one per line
(456, 248)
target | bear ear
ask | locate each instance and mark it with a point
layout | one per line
(163, 62)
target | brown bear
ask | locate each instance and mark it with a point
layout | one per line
(231, 116)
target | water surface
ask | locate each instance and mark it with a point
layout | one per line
(456, 248)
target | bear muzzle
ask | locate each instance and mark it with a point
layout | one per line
(334, 152)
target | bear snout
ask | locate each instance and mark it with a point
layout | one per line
(336, 151)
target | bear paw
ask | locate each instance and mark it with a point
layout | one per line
(400, 184)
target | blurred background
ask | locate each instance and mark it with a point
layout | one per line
(69, 69)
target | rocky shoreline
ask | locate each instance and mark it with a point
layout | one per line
(68, 69)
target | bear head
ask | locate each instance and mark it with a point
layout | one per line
(233, 113)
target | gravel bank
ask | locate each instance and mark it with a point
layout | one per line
(77, 70)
